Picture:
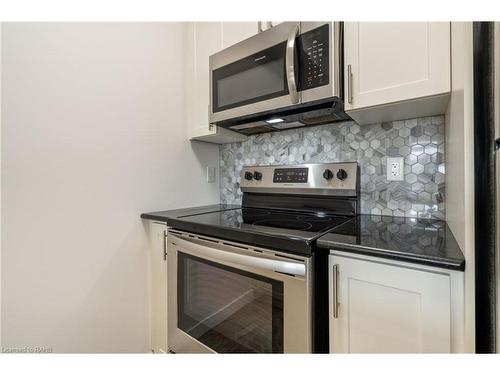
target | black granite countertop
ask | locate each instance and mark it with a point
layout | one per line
(182, 212)
(424, 241)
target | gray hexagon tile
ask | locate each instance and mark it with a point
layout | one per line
(419, 141)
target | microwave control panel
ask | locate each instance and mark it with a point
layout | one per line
(314, 56)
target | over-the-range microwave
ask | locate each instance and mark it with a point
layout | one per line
(285, 77)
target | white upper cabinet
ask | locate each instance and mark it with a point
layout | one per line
(203, 40)
(266, 25)
(385, 307)
(396, 70)
(235, 32)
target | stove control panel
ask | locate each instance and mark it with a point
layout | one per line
(340, 179)
(297, 175)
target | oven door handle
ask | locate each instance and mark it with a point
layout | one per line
(290, 65)
(254, 261)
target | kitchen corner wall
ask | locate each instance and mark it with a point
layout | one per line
(420, 141)
(93, 134)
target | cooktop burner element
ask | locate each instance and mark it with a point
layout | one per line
(256, 212)
(290, 220)
(316, 218)
(294, 225)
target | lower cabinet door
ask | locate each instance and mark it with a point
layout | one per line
(158, 285)
(386, 308)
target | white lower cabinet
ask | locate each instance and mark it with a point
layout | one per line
(394, 307)
(158, 287)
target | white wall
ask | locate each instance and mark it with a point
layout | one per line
(92, 135)
(460, 162)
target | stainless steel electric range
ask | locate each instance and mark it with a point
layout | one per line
(251, 280)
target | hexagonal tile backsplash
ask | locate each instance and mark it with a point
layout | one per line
(420, 141)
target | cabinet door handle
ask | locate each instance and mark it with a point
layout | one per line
(335, 292)
(349, 84)
(165, 245)
(210, 125)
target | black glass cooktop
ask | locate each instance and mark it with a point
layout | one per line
(285, 230)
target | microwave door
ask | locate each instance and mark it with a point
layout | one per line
(256, 75)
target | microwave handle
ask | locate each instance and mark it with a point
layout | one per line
(290, 67)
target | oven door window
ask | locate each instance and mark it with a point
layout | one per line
(255, 78)
(227, 309)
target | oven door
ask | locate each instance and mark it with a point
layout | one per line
(226, 298)
(256, 75)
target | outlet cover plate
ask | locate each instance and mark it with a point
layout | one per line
(395, 169)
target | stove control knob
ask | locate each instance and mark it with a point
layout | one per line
(248, 176)
(327, 174)
(257, 176)
(341, 174)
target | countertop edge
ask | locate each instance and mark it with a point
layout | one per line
(153, 217)
(451, 264)
(175, 213)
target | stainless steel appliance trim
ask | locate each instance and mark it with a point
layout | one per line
(349, 83)
(237, 246)
(335, 292)
(338, 57)
(208, 250)
(290, 65)
(292, 189)
(297, 300)
(316, 184)
(250, 109)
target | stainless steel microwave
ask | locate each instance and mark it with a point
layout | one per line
(285, 77)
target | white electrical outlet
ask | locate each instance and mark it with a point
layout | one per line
(210, 174)
(395, 169)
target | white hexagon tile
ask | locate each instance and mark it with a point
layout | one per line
(420, 141)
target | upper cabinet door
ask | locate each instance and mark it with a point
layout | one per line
(235, 32)
(387, 62)
(207, 41)
(202, 40)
